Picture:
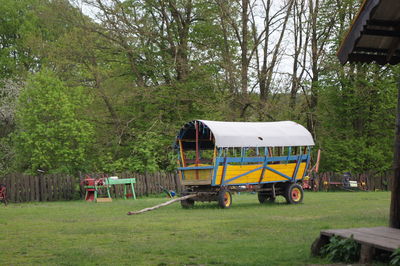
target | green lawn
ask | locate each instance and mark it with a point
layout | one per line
(83, 233)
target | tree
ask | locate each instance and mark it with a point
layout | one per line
(50, 136)
(357, 114)
(8, 98)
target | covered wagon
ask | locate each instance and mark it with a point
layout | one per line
(216, 158)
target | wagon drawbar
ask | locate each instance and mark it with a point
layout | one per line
(216, 158)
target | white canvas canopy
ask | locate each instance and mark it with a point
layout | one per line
(259, 134)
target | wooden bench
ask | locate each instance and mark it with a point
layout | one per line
(370, 239)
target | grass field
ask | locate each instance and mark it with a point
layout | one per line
(82, 233)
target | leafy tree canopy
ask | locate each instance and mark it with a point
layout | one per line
(50, 135)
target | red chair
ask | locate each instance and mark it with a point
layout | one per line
(3, 194)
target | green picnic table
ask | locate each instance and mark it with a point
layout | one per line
(124, 181)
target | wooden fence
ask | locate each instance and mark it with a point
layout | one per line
(24, 188)
(372, 181)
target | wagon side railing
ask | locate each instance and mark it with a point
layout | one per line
(265, 161)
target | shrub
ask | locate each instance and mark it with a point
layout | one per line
(395, 257)
(342, 250)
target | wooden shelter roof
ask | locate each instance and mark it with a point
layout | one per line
(374, 35)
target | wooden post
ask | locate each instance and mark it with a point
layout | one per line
(178, 183)
(366, 254)
(50, 190)
(215, 154)
(37, 188)
(43, 194)
(317, 245)
(182, 154)
(32, 188)
(146, 184)
(196, 125)
(197, 143)
(318, 159)
(395, 201)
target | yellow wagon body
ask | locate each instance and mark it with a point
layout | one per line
(205, 175)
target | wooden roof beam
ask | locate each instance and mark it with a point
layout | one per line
(379, 51)
(383, 23)
(384, 33)
(368, 58)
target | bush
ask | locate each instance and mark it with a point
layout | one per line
(342, 250)
(395, 257)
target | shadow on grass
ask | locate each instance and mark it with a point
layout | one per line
(214, 205)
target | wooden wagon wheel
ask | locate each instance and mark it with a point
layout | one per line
(187, 203)
(224, 198)
(294, 194)
(264, 197)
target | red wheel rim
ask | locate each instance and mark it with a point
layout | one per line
(227, 199)
(296, 194)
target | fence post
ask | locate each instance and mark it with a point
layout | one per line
(146, 184)
(177, 182)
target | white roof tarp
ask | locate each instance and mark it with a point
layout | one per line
(259, 134)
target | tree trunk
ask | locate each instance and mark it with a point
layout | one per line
(182, 20)
(277, 48)
(244, 46)
(314, 67)
(299, 45)
(263, 73)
